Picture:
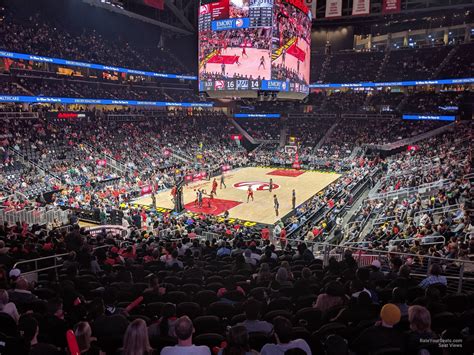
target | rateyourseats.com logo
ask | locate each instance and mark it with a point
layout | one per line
(256, 185)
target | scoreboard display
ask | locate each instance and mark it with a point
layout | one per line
(261, 13)
(254, 45)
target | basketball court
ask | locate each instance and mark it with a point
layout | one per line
(249, 65)
(234, 197)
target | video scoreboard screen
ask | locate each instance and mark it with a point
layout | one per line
(254, 45)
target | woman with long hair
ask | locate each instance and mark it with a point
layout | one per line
(264, 275)
(135, 341)
(237, 342)
(165, 325)
(83, 334)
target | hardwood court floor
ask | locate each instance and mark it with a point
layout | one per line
(261, 209)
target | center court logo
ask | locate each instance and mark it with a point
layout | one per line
(256, 185)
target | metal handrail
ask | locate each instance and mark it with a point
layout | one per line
(422, 240)
(437, 210)
(55, 257)
(409, 171)
(365, 256)
(409, 190)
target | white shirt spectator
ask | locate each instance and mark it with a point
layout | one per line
(186, 350)
(279, 349)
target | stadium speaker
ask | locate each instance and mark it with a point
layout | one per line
(465, 111)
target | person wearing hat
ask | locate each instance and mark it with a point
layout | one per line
(382, 334)
(14, 274)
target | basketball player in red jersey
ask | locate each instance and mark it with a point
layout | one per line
(244, 53)
(249, 194)
(173, 193)
(214, 187)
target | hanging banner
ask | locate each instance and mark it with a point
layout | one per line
(333, 8)
(360, 7)
(391, 6)
(311, 5)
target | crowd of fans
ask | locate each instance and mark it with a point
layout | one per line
(413, 64)
(394, 65)
(240, 290)
(444, 102)
(402, 210)
(58, 86)
(238, 293)
(201, 284)
(76, 152)
(337, 148)
(39, 35)
(348, 67)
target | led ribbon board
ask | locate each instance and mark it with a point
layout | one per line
(257, 115)
(73, 63)
(429, 118)
(393, 83)
(69, 100)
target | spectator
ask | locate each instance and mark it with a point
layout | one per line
(404, 279)
(252, 315)
(166, 324)
(237, 342)
(381, 335)
(184, 332)
(399, 299)
(8, 307)
(283, 329)
(174, 263)
(74, 240)
(106, 327)
(420, 329)
(136, 340)
(333, 296)
(29, 330)
(282, 277)
(264, 275)
(434, 277)
(376, 274)
(21, 295)
(53, 327)
(5, 259)
(83, 333)
(223, 250)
